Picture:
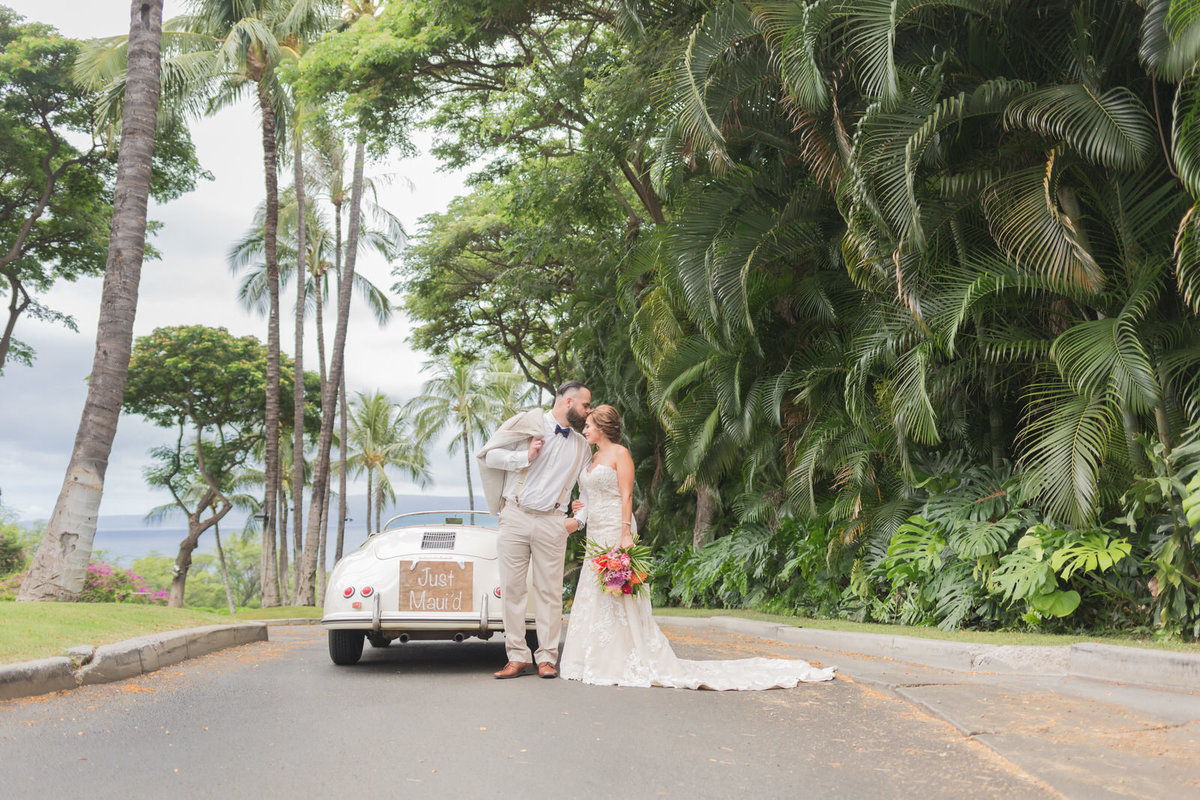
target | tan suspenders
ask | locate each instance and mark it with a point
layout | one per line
(566, 490)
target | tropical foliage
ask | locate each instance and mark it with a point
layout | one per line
(899, 300)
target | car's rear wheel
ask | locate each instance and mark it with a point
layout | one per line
(378, 640)
(531, 640)
(345, 647)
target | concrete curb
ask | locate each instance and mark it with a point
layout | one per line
(1091, 660)
(86, 665)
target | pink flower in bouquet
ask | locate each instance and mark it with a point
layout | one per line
(627, 589)
(624, 559)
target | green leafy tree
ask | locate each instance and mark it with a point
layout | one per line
(58, 168)
(52, 192)
(208, 386)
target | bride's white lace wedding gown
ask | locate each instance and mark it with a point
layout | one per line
(615, 640)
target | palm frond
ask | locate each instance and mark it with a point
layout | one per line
(1112, 129)
(1066, 438)
(1025, 218)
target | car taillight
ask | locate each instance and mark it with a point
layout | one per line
(348, 591)
(366, 591)
(496, 591)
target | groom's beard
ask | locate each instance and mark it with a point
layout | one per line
(575, 419)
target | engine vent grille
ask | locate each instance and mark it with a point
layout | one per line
(438, 540)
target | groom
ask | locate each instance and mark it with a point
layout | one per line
(528, 469)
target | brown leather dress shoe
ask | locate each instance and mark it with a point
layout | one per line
(547, 670)
(513, 669)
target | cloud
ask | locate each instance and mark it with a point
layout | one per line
(192, 284)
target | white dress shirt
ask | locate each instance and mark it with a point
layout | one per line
(545, 484)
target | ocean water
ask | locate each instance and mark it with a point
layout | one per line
(123, 546)
(123, 539)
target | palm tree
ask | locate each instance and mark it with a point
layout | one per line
(336, 385)
(58, 568)
(326, 161)
(247, 42)
(459, 396)
(247, 255)
(381, 437)
(509, 389)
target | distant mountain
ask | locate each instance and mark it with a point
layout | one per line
(357, 505)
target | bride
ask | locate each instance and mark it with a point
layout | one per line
(614, 640)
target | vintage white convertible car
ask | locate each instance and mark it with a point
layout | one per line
(426, 575)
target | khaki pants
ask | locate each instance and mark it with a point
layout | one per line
(534, 540)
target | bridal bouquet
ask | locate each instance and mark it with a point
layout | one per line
(620, 570)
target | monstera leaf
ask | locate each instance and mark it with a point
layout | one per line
(1058, 603)
(1094, 552)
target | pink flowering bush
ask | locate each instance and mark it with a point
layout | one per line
(10, 584)
(107, 584)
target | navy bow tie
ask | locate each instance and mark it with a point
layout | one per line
(565, 432)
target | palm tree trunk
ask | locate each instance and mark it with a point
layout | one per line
(58, 568)
(224, 569)
(466, 437)
(305, 592)
(705, 509)
(1137, 455)
(304, 564)
(370, 497)
(323, 548)
(1162, 419)
(995, 419)
(271, 594)
(343, 455)
(284, 587)
(343, 409)
(319, 298)
(379, 507)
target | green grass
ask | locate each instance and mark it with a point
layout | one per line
(981, 637)
(39, 630)
(281, 612)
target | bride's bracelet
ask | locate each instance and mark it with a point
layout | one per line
(630, 522)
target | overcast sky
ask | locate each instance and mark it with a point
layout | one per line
(40, 407)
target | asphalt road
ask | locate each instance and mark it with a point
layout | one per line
(427, 720)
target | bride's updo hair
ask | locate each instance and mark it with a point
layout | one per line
(608, 420)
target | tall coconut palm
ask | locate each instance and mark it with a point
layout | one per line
(383, 237)
(511, 392)
(458, 397)
(381, 438)
(330, 392)
(354, 12)
(327, 160)
(250, 39)
(247, 258)
(58, 568)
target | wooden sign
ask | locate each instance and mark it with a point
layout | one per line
(437, 586)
